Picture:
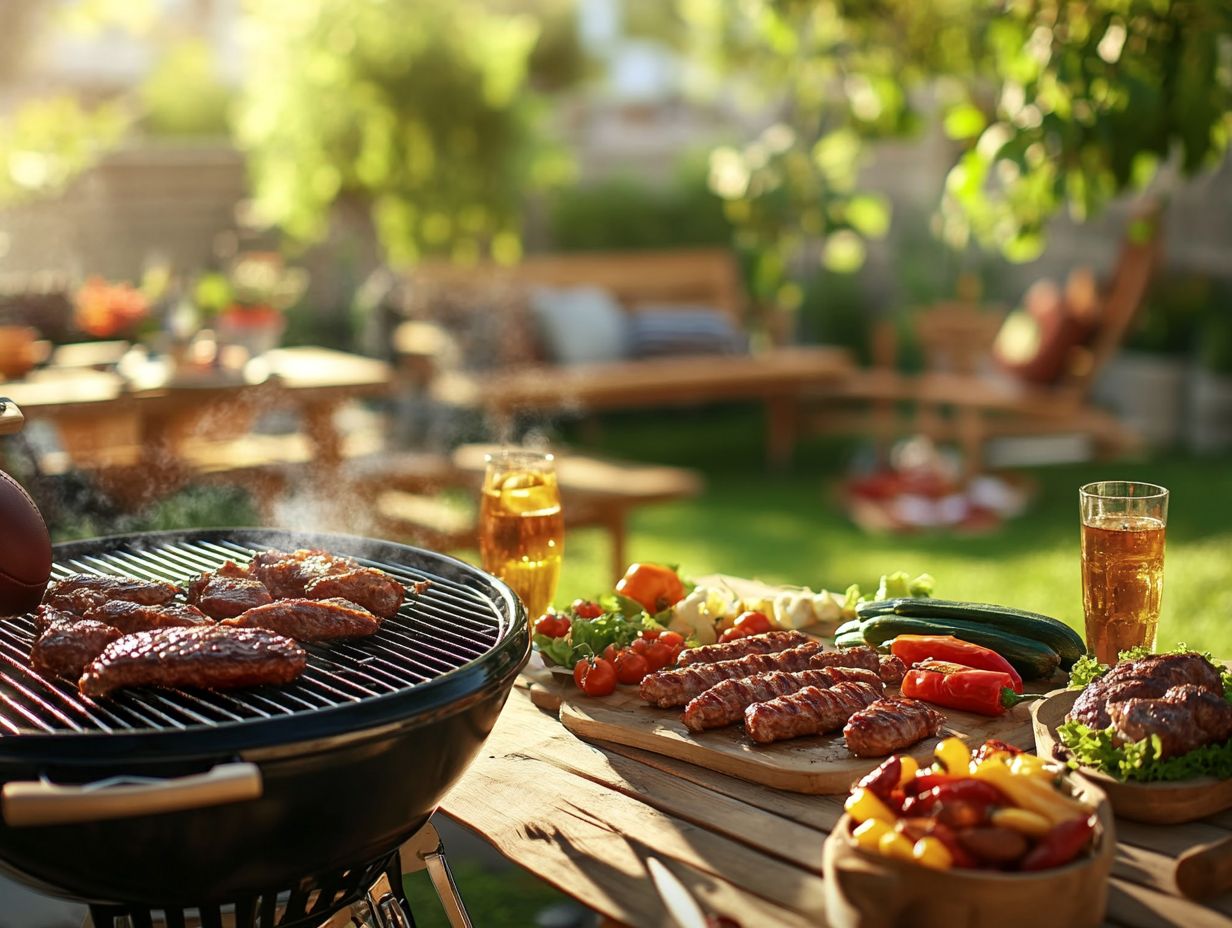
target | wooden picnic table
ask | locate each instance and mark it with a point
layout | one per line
(584, 817)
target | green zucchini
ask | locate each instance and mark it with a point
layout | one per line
(1057, 635)
(849, 639)
(880, 607)
(1031, 658)
(853, 625)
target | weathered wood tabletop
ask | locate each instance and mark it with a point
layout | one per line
(585, 818)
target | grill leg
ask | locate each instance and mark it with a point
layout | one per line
(425, 851)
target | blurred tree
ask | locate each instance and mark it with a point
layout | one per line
(183, 95)
(1053, 104)
(420, 110)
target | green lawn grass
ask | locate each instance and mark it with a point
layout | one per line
(787, 528)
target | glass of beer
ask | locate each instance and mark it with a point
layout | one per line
(521, 529)
(1123, 524)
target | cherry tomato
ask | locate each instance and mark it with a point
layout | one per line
(730, 634)
(595, 676)
(673, 640)
(652, 586)
(631, 666)
(657, 655)
(650, 634)
(585, 609)
(753, 623)
(640, 645)
(610, 652)
(552, 625)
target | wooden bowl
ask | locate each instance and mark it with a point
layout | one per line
(864, 890)
(1152, 803)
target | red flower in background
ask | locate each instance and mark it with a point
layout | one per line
(105, 309)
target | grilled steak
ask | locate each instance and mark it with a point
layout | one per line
(666, 688)
(287, 575)
(891, 669)
(309, 619)
(209, 657)
(65, 647)
(373, 589)
(148, 592)
(223, 595)
(810, 711)
(890, 725)
(1146, 678)
(765, 643)
(131, 617)
(724, 703)
(1184, 718)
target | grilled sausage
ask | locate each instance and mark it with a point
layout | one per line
(861, 656)
(724, 703)
(810, 711)
(890, 725)
(667, 688)
(891, 669)
(765, 643)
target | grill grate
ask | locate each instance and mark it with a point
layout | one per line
(448, 626)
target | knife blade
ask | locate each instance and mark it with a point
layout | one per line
(680, 903)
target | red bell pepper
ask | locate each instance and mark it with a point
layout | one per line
(976, 793)
(987, 692)
(916, 648)
(882, 781)
(1061, 845)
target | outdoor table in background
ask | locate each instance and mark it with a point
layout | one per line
(585, 818)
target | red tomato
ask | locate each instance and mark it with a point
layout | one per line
(610, 652)
(640, 645)
(552, 625)
(671, 639)
(753, 623)
(585, 609)
(650, 634)
(657, 655)
(595, 676)
(631, 666)
(730, 634)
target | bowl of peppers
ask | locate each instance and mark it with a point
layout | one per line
(990, 836)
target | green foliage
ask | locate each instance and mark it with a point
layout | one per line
(183, 95)
(420, 110)
(192, 507)
(1056, 105)
(1167, 322)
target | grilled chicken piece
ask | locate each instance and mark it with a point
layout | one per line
(209, 657)
(666, 688)
(890, 725)
(287, 575)
(724, 703)
(148, 592)
(891, 669)
(765, 643)
(134, 617)
(810, 711)
(373, 589)
(221, 595)
(65, 647)
(310, 619)
(1146, 678)
(1184, 718)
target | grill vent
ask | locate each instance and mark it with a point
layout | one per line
(453, 623)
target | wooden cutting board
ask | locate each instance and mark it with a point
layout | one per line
(819, 764)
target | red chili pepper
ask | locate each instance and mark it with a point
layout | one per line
(960, 855)
(977, 793)
(987, 692)
(916, 648)
(926, 781)
(1061, 845)
(884, 780)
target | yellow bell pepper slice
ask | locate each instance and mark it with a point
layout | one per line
(868, 835)
(863, 805)
(908, 768)
(1031, 794)
(953, 755)
(1028, 823)
(930, 852)
(896, 845)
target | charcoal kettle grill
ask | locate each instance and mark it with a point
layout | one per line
(278, 804)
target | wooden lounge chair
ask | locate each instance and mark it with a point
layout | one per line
(956, 398)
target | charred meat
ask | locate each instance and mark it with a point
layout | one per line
(724, 703)
(667, 688)
(373, 589)
(287, 574)
(890, 725)
(65, 647)
(223, 594)
(1184, 718)
(810, 711)
(60, 593)
(131, 617)
(1149, 677)
(309, 619)
(208, 657)
(765, 643)
(891, 669)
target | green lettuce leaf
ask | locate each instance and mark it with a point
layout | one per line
(1140, 762)
(589, 637)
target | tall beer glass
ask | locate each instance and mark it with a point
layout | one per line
(1123, 525)
(521, 528)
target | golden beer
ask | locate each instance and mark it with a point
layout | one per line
(521, 528)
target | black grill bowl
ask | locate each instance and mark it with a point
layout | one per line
(352, 760)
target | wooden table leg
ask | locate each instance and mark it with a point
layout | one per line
(326, 442)
(616, 522)
(782, 422)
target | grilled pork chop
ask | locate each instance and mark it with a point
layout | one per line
(287, 574)
(60, 593)
(208, 657)
(134, 617)
(373, 589)
(309, 619)
(223, 594)
(65, 647)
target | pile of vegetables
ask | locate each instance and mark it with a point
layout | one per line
(1034, 645)
(995, 809)
(1139, 761)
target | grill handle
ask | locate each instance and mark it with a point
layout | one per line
(41, 802)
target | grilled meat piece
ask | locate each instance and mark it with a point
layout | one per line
(810, 711)
(131, 617)
(208, 657)
(223, 595)
(890, 725)
(666, 688)
(765, 643)
(1184, 718)
(148, 592)
(310, 619)
(724, 703)
(65, 647)
(47, 616)
(373, 589)
(287, 575)
(1146, 678)
(892, 669)
(861, 656)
